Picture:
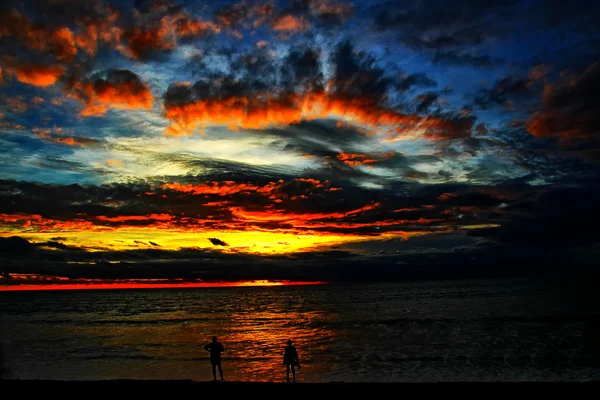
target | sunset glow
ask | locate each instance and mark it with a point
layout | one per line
(24, 283)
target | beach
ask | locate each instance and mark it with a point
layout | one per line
(195, 388)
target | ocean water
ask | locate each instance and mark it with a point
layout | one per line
(503, 330)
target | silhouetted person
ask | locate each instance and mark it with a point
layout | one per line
(290, 359)
(215, 349)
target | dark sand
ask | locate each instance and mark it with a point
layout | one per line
(349, 389)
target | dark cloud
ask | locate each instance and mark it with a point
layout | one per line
(570, 113)
(426, 100)
(217, 242)
(556, 217)
(113, 88)
(310, 203)
(259, 93)
(407, 82)
(54, 244)
(506, 90)
(302, 70)
(443, 25)
(464, 260)
(15, 246)
(357, 76)
(465, 59)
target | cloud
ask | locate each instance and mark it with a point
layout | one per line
(38, 75)
(408, 81)
(15, 104)
(562, 216)
(441, 25)
(289, 23)
(217, 242)
(465, 59)
(54, 244)
(39, 38)
(15, 246)
(357, 91)
(68, 140)
(570, 113)
(507, 89)
(115, 88)
(426, 100)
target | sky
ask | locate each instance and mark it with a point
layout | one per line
(297, 140)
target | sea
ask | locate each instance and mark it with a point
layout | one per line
(508, 330)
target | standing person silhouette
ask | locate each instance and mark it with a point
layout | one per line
(290, 359)
(215, 349)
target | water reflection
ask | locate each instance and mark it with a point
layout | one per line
(256, 329)
(161, 334)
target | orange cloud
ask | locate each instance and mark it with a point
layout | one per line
(99, 30)
(361, 159)
(225, 188)
(448, 128)
(185, 26)
(262, 110)
(323, 7)
(290, 23)
(41, 224)
(114, 163)
(60, 42)
(38, 75)
(273, 189)
(284, 216)
(141, 42)
(570, 113)
(15, 104)
(36, 100)
(121, 89)
(64, 139)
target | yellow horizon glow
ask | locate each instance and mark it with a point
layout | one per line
(254, 242)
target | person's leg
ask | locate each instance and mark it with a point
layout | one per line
(220, 371)
(293, 372)
(287, 370)
(214, 372)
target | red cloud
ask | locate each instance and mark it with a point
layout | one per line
(126, 218)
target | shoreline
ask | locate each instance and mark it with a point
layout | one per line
(475, 390)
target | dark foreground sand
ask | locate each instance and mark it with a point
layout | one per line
(183, 387)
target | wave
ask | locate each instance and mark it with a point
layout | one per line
(472, 320)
